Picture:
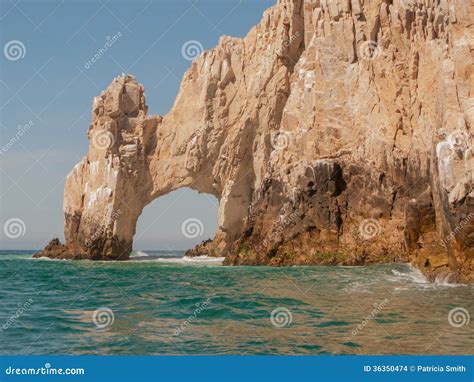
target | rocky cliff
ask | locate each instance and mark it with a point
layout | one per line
(335, 132)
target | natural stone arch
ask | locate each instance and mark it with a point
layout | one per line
(205, 142)
(372, 137)
(134, 159)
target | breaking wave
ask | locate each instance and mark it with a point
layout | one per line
(416, 277)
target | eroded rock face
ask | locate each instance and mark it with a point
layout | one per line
(335, 132)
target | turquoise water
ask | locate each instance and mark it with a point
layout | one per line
(164, 304)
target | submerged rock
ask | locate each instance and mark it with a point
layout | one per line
(333, 133)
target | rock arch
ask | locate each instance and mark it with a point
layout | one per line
(134, 159)
(205, 142)
(335, 132)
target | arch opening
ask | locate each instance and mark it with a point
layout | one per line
(177, 221)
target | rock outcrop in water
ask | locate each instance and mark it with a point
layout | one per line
(335, 132)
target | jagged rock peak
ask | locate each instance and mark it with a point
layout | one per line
(123, 97)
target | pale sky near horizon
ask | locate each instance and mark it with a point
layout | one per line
(45, 79)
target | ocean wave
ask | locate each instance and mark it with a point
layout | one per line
(43, 258)
(413, 275)
(193, 260)
(207, 259)
(416, 277)
(139, 254)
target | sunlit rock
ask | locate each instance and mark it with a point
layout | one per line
(335, 132)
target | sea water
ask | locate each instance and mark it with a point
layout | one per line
(164, 303)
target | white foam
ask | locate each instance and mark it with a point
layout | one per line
(443, 280)
(415, 277)
(139, 254)
(205, 259)
(44, 258)
(193, 260)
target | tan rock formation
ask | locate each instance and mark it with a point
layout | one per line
(335, 132)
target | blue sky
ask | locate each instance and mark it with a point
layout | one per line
(46, 91)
